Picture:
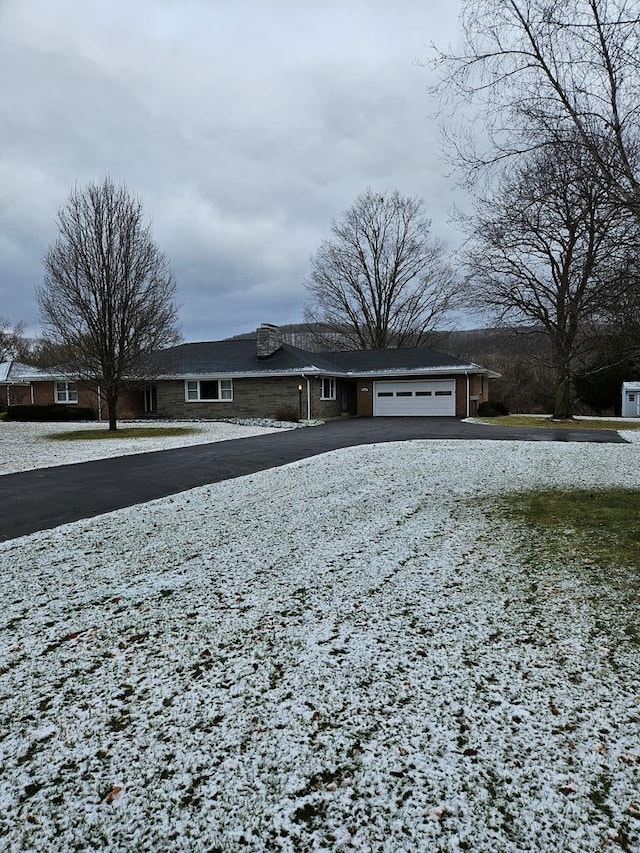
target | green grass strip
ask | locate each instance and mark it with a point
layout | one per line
(124, 432)
(546, 422)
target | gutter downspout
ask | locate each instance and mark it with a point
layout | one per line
(466, 373)
(308, 381)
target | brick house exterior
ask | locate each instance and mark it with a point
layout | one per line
(262, 377)
(23, 385)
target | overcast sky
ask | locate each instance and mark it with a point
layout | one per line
(244, 125)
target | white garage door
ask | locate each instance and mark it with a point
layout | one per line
(416, 397)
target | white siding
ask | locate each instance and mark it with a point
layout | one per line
(630, 400)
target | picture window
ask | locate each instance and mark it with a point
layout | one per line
(209, 390)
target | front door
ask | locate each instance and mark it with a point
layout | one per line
(348, 398)
(150, 400)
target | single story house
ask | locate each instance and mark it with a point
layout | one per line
(259, 377)
(630, 400)
(24, 384)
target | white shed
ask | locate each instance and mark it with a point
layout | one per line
(630, 400)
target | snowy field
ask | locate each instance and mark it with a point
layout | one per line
(349, 653)
(25, 446)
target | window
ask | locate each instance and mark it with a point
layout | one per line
(328, 388)
(444, 393)
(208, 390)
(66, 392)
(404, 393)
(423, 393)
(632, 398)
(385, 393)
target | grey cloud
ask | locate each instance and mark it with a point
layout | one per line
(244, 127)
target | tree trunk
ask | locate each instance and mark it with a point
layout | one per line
(562, 393)
(112, 402)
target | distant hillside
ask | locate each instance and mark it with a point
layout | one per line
(301, 335)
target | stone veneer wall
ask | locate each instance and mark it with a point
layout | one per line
(252, 398)
(323, 409)
(269, 340)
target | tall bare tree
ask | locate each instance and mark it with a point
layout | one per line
(541, 72)
(108, 294)
(549, 250)
(11, 339)
(381, 280)
(614, 347)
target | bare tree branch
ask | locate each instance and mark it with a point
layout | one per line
(11, 339)
(381, 280)
(108, 292)
(544, 72)
(549, 249)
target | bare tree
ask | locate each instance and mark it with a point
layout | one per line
(541, 72)
(613, 356)
(108, 292)
(11, 339)
(548, 249)
(381, 280)
(519, 354)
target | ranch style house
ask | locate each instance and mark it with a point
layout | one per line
(256, 378)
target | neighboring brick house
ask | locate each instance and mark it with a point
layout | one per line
(23, 385)
(259, 377)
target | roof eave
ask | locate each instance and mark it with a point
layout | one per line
(241, 374)
(442, 370)
(312, 370)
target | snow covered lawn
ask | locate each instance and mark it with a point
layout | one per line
(343, 654)
(25, 446)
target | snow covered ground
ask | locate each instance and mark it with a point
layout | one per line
(25, 446)
(349, 653)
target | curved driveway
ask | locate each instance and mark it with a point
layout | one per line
(48, 497)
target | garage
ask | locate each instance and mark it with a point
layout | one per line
(415, 398)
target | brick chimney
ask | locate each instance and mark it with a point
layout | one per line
(269, 340)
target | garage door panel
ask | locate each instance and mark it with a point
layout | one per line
(427, 398)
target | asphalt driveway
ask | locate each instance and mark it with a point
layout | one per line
(47, 497)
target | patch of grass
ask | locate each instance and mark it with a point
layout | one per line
(591, 536)
(124, 432)
(546, 422)
(602, 525)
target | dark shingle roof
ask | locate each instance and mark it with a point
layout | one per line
(235, 356)
(238, 357)
(366, 361)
